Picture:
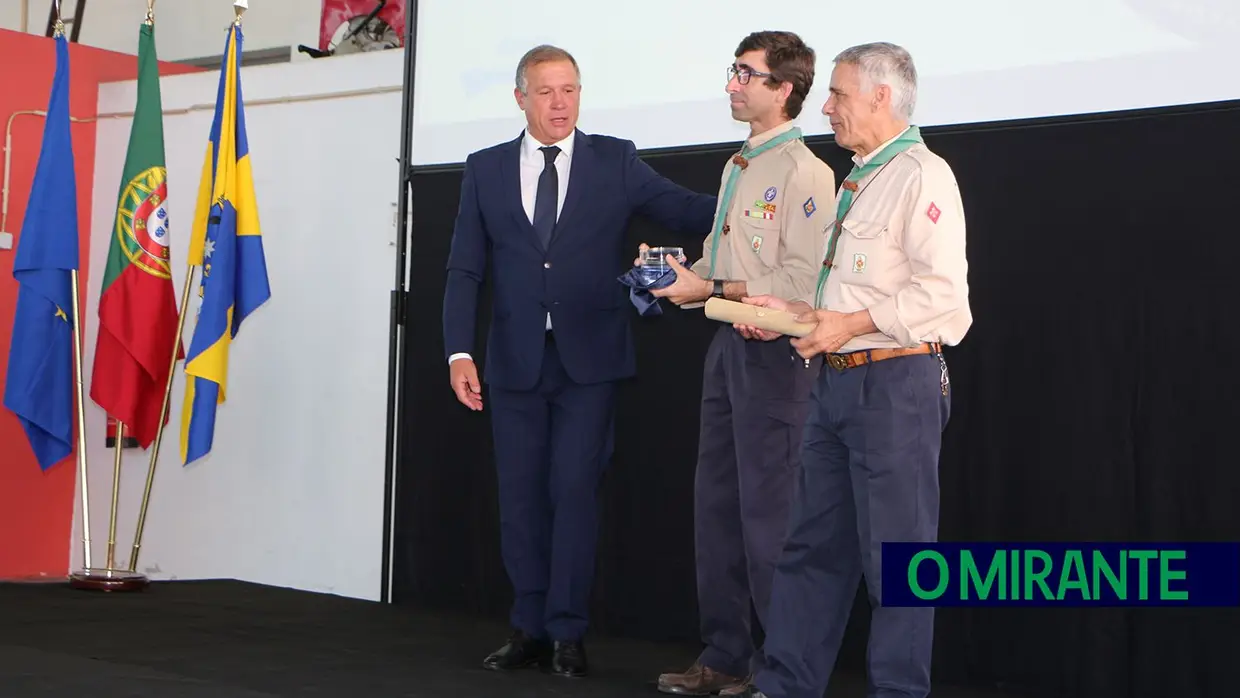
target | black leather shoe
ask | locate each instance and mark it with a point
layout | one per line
(521, 651)
(569, 659)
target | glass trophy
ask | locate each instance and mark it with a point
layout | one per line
(654, 262)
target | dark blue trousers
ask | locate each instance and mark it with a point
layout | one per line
(869, 474)
(755, 398)
(552, 445)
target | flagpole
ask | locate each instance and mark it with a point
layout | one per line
(109, 578)
(81, 420)
(116, 490)
(163, 410)
(163, 416)
(80, 391)
(239, 7)
(119, 442)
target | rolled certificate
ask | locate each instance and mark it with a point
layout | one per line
(780, 321)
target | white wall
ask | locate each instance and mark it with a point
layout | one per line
(11, 15)
(185, 29)
(292, 493)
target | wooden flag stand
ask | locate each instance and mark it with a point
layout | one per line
(107, 578)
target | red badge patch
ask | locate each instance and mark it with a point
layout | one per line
(933, 212)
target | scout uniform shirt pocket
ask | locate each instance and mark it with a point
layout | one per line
(861, 251)
(759, 230)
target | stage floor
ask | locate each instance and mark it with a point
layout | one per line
(222, 639)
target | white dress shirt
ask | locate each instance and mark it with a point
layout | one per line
(532, 163)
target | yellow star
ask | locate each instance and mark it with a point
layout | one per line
(61, 314)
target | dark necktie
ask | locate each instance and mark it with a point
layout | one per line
(546, 200)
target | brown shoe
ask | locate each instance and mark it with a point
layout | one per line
(699, 681)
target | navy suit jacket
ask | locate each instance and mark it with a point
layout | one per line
(574, 278)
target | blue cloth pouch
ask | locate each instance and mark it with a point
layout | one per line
(641, 283)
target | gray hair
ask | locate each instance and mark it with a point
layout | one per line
(882, 63)
(544, 53)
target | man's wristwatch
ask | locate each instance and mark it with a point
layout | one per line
(717, 291)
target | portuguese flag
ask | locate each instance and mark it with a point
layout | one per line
(138, 308)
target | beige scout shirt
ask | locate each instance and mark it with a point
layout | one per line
(773, 238)
(901, 254)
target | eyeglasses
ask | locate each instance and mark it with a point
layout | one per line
(743, 73)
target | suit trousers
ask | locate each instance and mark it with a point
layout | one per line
(869, 475)
(552, 445)
(755, 399)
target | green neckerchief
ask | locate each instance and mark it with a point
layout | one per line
(729, 190)
(908, 139)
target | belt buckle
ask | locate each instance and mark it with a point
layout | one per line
(837, 361)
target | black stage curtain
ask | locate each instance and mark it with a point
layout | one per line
(1095, 400)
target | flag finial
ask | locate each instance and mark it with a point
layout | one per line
(59, 26)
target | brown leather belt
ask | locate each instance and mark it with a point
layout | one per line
(869, 356)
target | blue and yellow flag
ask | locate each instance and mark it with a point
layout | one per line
(226, 242)
(39, 385)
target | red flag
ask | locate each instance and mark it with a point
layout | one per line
(137, 307)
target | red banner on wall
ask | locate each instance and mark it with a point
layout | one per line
(339, 18)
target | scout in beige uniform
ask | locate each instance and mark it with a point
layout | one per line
(890, 295)
(771, 238)
(775, 201)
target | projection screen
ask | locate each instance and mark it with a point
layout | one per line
(654, 71)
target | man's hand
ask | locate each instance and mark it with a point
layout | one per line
(463, 377)
(751, 332)
(833, 331)
(688, 287)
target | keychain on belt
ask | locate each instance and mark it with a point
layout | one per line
(944, 380)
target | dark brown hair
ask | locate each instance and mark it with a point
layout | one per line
(789, 59)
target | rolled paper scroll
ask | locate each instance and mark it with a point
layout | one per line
(780, 321)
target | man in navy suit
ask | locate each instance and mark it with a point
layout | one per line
(546, 215)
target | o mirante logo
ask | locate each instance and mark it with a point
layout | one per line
(1063, 574)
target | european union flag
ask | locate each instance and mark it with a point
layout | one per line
(39, 384)
(227, 243)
